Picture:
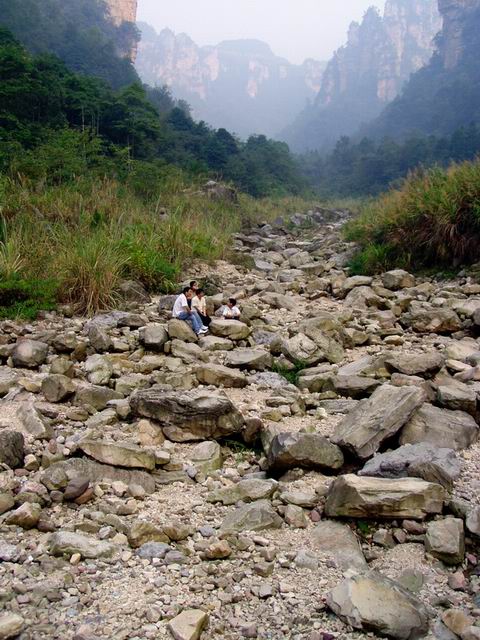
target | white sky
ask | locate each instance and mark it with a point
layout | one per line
(295, 29)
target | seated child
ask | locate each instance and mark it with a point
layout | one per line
(231, 311)
(199, 303)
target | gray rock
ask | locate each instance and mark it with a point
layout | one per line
(181, 330)
(12, 448)
(375, 420)
(247, 490)
(220, 376)
(455, 395)
(99, 337)
(95, 396)
(153, 336)
(33, 422)
(11, 625)
(118, 454)
(440, 427)
(197, 415)
(6, 501)
(445, 540)
(188, 625)
(397, 279)
(305, 450)
(8, 379)
(57, 387)
(425, 364)
(372, 602)
(151, 550)
(66, 543)
(251, 359)
(99, 369)
(29, 353)
(25, 516)
(213, 343)
(231, 329)
(421, 460)
(337, 541)
(352, 496)
(256, 516)
(425, 318)
(355, 387)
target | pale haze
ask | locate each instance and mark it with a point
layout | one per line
(295, 29)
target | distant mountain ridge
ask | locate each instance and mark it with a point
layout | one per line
(368, 72)
(238, 84)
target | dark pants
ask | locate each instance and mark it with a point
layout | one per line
(205, 319)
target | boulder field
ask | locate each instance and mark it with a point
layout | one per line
(311, 472)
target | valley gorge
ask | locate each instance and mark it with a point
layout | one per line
(238, 85)
(368, 72)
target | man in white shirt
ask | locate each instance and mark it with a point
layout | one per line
(182, 311)
(231, 311)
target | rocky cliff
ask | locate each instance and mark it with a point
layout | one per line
(240, 85)
(124, 12)
(369, 71)
(445, 95)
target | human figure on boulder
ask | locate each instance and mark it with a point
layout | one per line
(199, 304)
(231, 311)
(194, 288)
(182, 311)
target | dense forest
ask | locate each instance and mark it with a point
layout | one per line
(369, 167)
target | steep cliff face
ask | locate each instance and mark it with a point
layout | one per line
(123, 14)
(445, 95)
(456, 15)
(240, 85)
(369, 71)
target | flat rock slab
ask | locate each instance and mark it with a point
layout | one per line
(247, 490)
(305, 450)
(256, 516)
(119, 455)
(372, 602)
(66, 543)
(336, 540)
(197, 415)
(59, 474)
(440, 427)
(351, 496)
(376, 419)
(425, 364)
(251, 359)
(220, 376)
(421, 460)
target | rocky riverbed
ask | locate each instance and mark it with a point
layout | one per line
(309, 473)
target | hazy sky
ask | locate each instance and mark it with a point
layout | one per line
(295, 29)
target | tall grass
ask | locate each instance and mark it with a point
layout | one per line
(85, 235)
(432, 220)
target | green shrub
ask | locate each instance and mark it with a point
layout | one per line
(24, 299)
(432, 220)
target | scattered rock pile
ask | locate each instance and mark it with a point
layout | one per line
(311, 473)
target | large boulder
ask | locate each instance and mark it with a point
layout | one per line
(305, 450)
(301, 349)
(355, 386)
(29, 354)
(421, 460)
(455, 395)
(445, 540)
(119, 455)
(372, 602)
(425, 318)
(425, 364)
(153, 336)
(196, 415)
(397, 279)
(11, 625)
(8, 380)
(181, 330)
(441, 428)
(56, 387)
(220, 376)
(250, 359)
(11, 448)
(337, 541)
(95, 396)
(351, 496)
(99, 369)
(377, 419)
(256, 516)
(232, 329)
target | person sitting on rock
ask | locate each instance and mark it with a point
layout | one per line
(231, 311)
(199, 304)
(194, 288)
(182, 311)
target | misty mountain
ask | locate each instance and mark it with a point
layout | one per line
(368, 72)
(240, 85)
(445, 95)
